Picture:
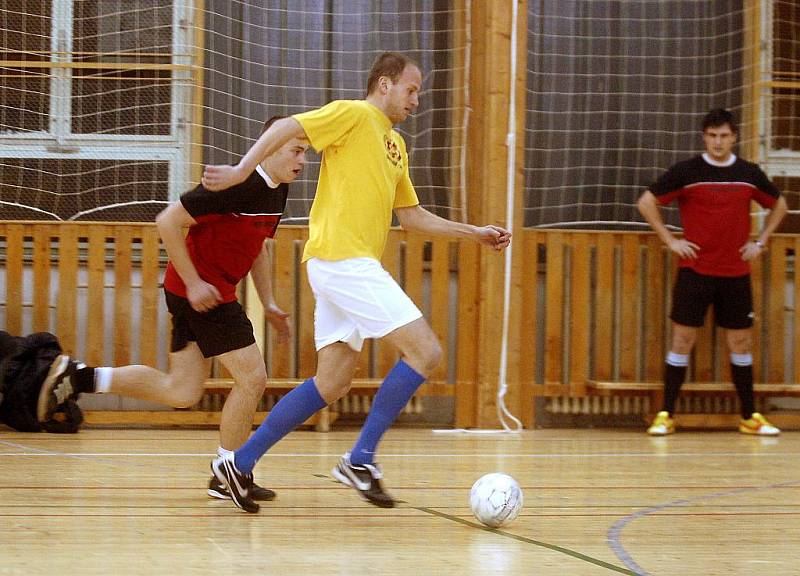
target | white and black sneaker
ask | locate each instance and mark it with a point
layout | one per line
(365, 478)
(57, 387)
(217, 489)
(237, 483)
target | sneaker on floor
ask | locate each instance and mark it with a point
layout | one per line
(217, 489)
(662, 425)
(365, 478)
(57, 387)
(237, 483)
(758, 425)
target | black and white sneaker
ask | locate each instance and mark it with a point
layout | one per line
(365, 478)
(216, 489)
(57, 387)
(237, 483)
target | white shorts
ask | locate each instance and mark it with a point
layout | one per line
(356, 299)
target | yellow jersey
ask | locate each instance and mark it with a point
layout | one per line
(363, 177)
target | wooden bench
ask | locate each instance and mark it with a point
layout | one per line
(655, 391)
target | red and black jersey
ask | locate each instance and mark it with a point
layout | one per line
(714, 203)
(232, 225)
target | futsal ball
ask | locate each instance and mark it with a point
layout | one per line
(495, 499)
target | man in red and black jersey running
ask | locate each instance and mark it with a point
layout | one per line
(227, 230)
(714, 191)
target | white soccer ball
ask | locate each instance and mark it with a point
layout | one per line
(495, 499)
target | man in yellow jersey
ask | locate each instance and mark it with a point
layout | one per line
(363, 179)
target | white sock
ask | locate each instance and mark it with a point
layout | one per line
(675, 359)
(102, 379)
(742, 359)
(222, 452)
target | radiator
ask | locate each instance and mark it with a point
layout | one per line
(641, 405)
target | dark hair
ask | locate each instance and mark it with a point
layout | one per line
(389, 64)
(270, 122)
(719, 117)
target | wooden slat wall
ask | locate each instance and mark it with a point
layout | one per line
(777, 256)
(580, 307)
(757, 274)
(554, 309)
(67, 287)
(654, 317)
(593, 305)
(629, 305)
(606, 302)
(95, 315)
(794, 244)
(123, 263)
(528, 315)
(41, 278)
(440, 301)
(58, 278)
(151, 295)
(14, 236)
(466, 341)
(307, 356)
(281, 357)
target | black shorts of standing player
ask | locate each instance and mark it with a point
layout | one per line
(732, 298)
(220, 330)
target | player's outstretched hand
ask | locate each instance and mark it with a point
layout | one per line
(203, 296)
(279, 320)
(221, 176)
(751, 250)
(684, 248)
(494, 237)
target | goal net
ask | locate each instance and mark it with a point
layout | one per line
(616, 92)
(109, 109)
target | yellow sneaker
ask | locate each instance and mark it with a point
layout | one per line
(662, 425)
(758, 425)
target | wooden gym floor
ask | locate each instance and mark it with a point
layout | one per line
(597, 502)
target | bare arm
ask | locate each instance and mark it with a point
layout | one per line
(261, 273)
(219, 177)
(170, 222)
(776, 215)
(648, 207)
(419, 219)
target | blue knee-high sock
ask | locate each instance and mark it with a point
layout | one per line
(395, 392)
(291, 411)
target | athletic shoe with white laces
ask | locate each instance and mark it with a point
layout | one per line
(758, 426)
(365, 478)
(57, 387)
(237, 483)
(217, 489)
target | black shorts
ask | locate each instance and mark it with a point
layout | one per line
(217, 331)
(732, 298)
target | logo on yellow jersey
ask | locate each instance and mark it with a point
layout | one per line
(392, 151)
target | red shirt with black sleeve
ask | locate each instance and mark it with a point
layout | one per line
(714, 204)
(232, 225)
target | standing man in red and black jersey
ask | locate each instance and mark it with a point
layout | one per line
(714, 191)
(227, 230)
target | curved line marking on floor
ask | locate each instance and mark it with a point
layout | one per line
(613, 536)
